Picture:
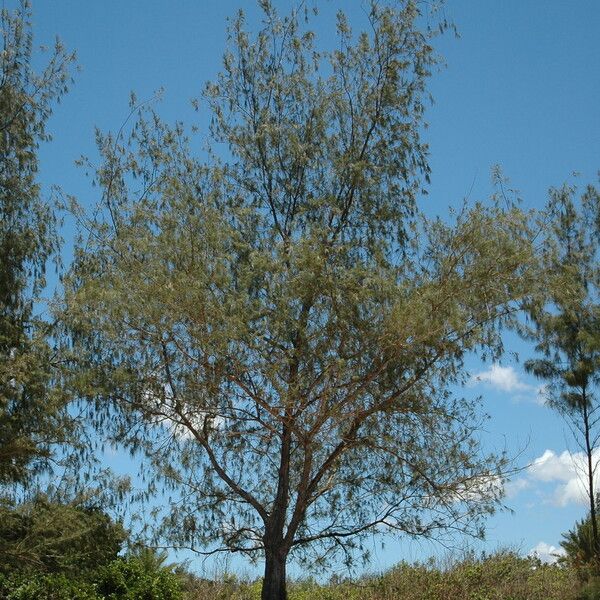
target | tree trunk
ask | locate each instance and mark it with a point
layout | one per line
(590, 472)
(274, 587)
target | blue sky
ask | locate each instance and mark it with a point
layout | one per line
(521, 89)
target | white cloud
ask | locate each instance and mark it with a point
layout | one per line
(506, 379)
(546, 552)
(566, 476)
(568, 470)
(501, 378)
(513, 488)
(573, 491)
(553, 467)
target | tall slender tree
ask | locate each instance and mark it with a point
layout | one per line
(279, 329)
(567, 327)
(30, 410)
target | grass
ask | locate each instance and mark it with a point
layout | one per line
(502, 576)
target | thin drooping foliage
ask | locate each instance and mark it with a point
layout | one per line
(276, 325)
(46, 536)
(32, 416)
(566, 328)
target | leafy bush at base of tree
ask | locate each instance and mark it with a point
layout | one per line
(130, 579)
(122, 579)
(54, 586)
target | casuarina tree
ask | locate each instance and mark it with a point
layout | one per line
(31, 410)
(277, 325)
(566, 328)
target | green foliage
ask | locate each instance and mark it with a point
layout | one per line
(578, 543)
(280, 331)
(502, 576)
(41, 536)
(46, 587)
(591, 590)
(31, 416)
(133, 578)
(152, 560)
(566, 327)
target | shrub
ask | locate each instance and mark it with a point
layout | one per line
(41, 536)
(502, 576)
(130, 579)
(591, 590)
(579, 550)
(45, 587)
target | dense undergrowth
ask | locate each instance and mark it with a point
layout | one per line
(122, 579)
(503, 576)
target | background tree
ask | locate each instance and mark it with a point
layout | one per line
(567, 327)
(578, 544)
(46, 536)
(30, 409)
(279, 329)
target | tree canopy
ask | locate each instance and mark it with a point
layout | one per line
(31, 416)
(45, 536)
(278, 326)
(566, 327)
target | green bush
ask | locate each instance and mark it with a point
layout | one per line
(45, 587)
(579, 550)
(130, 579)
(591, 590)
(133, 578)
(41, 536)
(503, 576)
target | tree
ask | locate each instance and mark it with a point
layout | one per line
(578, 544)
(567, 326)
(31, 414)
(45, 536)
(279, 329)
(139, 577)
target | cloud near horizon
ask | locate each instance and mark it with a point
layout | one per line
(547, 553)
(560, 478)
(568, 471)
(506, 379)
